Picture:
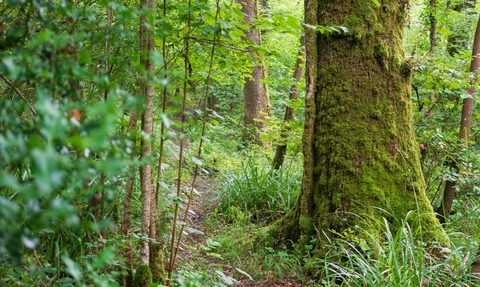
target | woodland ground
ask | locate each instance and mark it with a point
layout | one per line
(194, 253)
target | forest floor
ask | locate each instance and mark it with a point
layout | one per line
(193, 245)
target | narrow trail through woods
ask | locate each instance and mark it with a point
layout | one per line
(192, 246)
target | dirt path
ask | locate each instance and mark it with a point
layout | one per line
(193, 244)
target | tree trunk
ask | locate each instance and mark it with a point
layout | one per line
(361, 160)
(255, 90)
(465, 124)
(433, 25)
(132, 128)
(289, 111)
(156, 249)
(147, 44)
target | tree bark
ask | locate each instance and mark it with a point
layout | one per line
(156, 249)
(147, 44)
(361, 159)
(132, 128)
(255, 90)
(465, 125)
(289, 111)
(433, 25)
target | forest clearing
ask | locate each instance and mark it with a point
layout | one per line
(239, 143)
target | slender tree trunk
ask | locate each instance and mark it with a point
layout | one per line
(107, 46)
(360, 153)
(433, 25)
(143, 277)
(156, 249)
(1, 27)
(289, 111)
(255, 90)
(465, 125)
(132, 128)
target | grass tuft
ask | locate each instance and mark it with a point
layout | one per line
(261, 191)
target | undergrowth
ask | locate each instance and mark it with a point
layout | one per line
(402, 259)
(254, 195)
(260, 192)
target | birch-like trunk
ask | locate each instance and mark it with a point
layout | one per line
(147, 44)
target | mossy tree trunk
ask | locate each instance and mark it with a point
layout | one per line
(359, 144)
(255, 90)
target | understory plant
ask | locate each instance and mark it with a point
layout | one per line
(402, 259)
(258, 189)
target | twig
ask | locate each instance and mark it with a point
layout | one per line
(18, 93)
(38, 259)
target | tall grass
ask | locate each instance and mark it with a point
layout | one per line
(400, 260)
(261, 191)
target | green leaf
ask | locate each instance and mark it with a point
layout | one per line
(45, 169)
(214, 255)
(9, 181)
(72, 267)
(293, 22)
(166, 121)
(156, 58)
(244, 273)
(226, 279)
(107, 255)
(177, 200)
(232, 120)
(8, 209)
(193, 230)
(163, 31)
(212, 244)
(376, 3)
(12, 68)
(238, 12)
(197, 161)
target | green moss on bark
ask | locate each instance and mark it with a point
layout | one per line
(143, 276)
(156, 264)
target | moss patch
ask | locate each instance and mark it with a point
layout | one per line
(143, 276)
(156, 264)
